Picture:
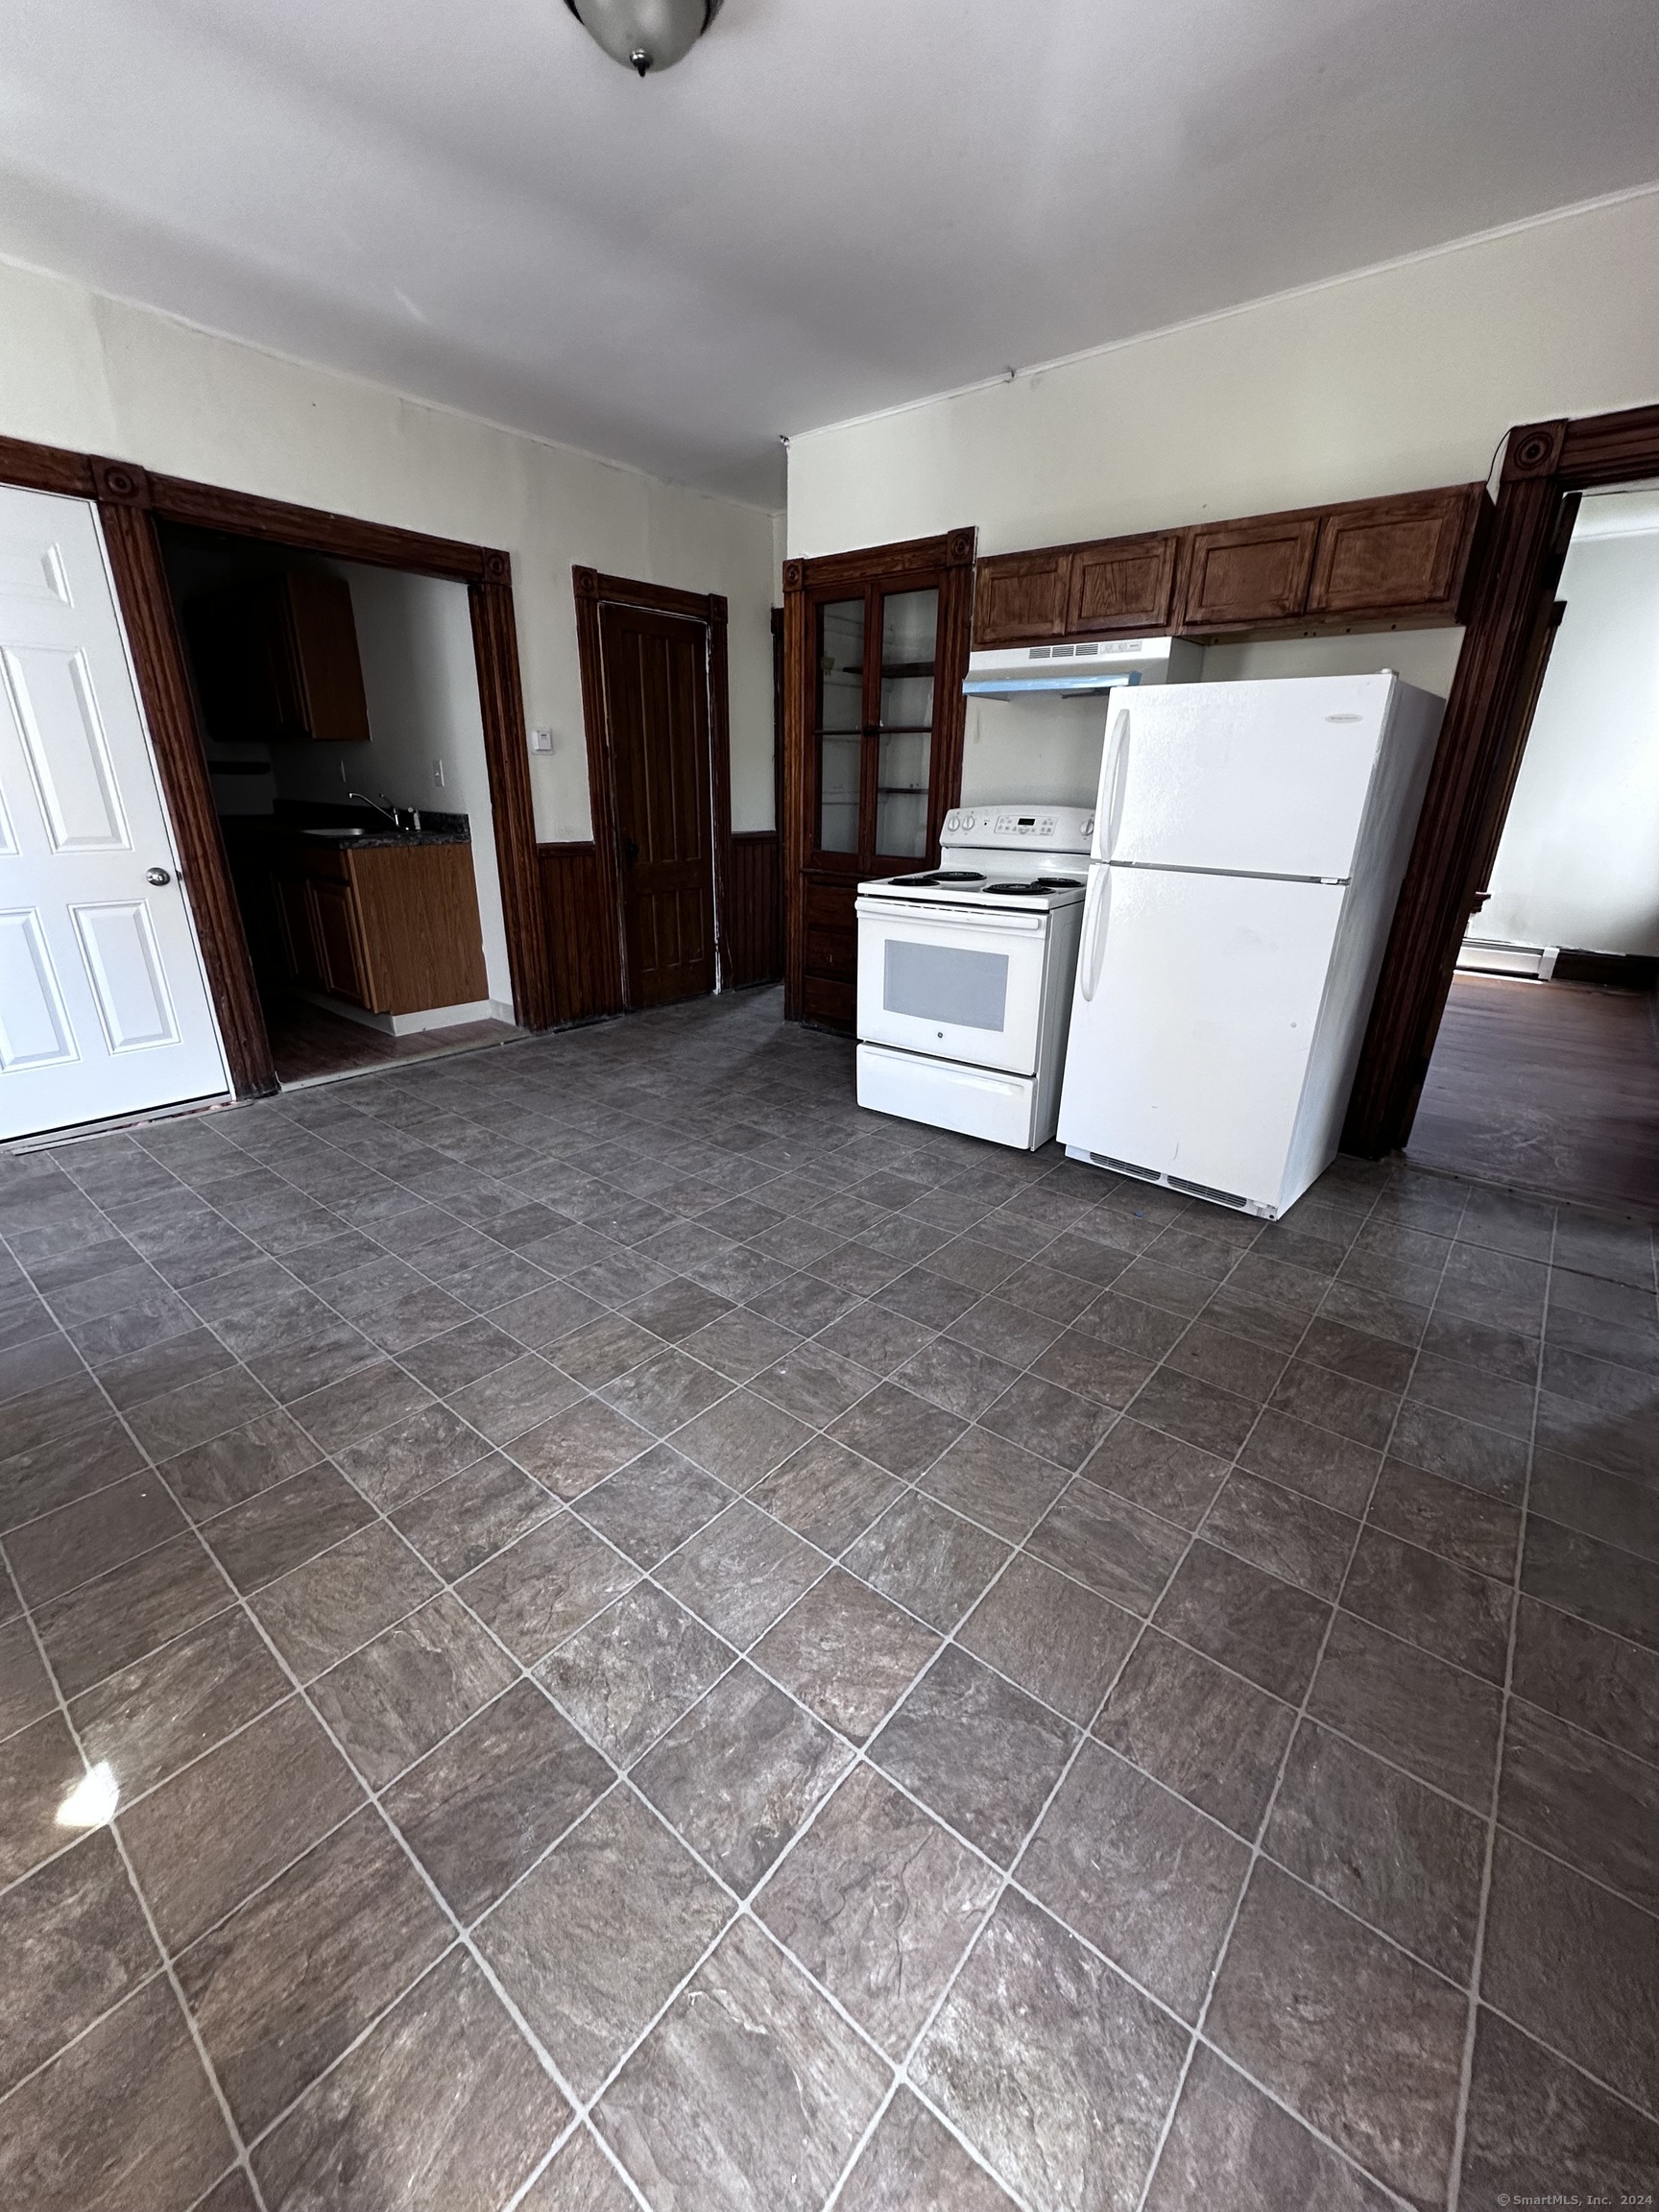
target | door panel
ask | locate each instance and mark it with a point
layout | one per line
(1189, 1055)
(103, 1006)
(656, 712)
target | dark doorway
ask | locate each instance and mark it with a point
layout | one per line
(657, 703)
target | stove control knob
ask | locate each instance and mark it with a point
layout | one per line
(952, 822)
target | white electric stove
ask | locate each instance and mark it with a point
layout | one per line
(965, 974)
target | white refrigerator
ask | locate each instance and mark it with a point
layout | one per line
(1249, 844)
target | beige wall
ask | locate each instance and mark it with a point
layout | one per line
(1405, 377)
(1408, 376)
(93, 374)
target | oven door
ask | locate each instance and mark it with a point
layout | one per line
(954, 983)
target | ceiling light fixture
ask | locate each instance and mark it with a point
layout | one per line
(646, 34)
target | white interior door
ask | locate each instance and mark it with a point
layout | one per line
(1268, 779)
(1196, 1002)
(103, 1006)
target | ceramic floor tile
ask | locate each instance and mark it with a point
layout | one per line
(581, 2179)
(40, 1767)
(741, 1439)
(740, 1773)
(459, 1523)
(978, 1751)
(1051, 1636)
(1392, 1852)
(578, 1448)
(592, 1943)
(1053, 2067)
(751, 2094)
(846, 1653)
(634, 1669)
(390, 1702)
(1207, 1733)
(167, 1709)
(479, 1810)
(994, 1481)
(1361, 2041)
(912, 2164)
(1537, 2128)
(653, 1504)
(282, 1987)
(123, 2121)
(879, 1903)
(108, 1623)
(1120, 1552)
(1322, 1465)
(1575, 1965)
(1450, 1611)
(1431, 1718)
(541, 1589)
(825, 1493)
(282, 1528)
(72, 1944)
(1597, 1581)
(79, 1542)
(340, 1599)
(1586, 1802)
(742, 1572)
(1157, 1471)
(900, 1431)
(25, 1688)
(442, 2104)
(1582, 1675)
(929, 1561)
(1252, 1621)
(1233, 2150)
(1139, 1874)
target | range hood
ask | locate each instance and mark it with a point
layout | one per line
(1074, 671)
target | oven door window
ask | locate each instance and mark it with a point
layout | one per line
(944, 983)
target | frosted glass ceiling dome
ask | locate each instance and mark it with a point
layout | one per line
(646, 34)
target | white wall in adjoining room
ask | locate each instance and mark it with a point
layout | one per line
(420, 683)
(1579, 861)
(96, 374)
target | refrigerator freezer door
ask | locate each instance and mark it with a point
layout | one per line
(1264, 779)
(1189, 1058)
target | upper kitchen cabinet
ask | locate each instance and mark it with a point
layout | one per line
(1114, 585)
(276, 659)
(1368, 564)
(875, 650)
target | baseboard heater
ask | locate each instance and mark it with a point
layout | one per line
(1488, 956)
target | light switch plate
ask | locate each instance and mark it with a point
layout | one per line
(540, 740)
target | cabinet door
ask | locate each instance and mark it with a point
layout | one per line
(909, 631)
(1021, 598)
(1394, 556)
(297, 923)
(1123, 584)
(328, 670)
(1246, 573)
(335, 912)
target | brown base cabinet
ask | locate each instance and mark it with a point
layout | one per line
(392, 928)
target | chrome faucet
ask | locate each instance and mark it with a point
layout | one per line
(405, 820)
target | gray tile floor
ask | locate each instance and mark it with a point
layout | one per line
(653, 1638)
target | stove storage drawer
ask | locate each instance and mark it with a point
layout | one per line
(955, 983)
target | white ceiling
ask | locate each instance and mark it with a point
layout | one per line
(830, 207)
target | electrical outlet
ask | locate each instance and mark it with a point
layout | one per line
(438, 773)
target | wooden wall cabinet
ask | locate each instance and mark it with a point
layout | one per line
(1113, 585)
(392, 928)
(276, 661)
(1368, 564)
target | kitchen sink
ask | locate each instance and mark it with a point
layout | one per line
(333, 834)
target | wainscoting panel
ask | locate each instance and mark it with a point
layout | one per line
(582, 936)
(755, 916)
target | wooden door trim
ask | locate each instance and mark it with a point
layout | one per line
(1545, 464)
(594, 591)
(130, 502)
(805, 581)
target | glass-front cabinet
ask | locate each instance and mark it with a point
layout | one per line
(874, 741)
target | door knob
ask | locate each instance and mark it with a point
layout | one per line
(156, 876)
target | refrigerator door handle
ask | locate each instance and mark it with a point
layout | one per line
(1114, 784)
(1097, 911)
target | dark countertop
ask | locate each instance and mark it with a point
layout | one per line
(319, 824)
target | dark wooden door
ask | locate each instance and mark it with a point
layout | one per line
(657, 718)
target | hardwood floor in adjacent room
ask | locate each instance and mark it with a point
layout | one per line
(309, 1042)
(1549, 1087)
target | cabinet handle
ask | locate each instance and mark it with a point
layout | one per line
(1117, 780)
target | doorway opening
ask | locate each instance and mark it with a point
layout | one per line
(1544, 1071)
(337, 709)
(654, 699)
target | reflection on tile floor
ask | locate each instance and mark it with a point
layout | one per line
(655, 1639)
